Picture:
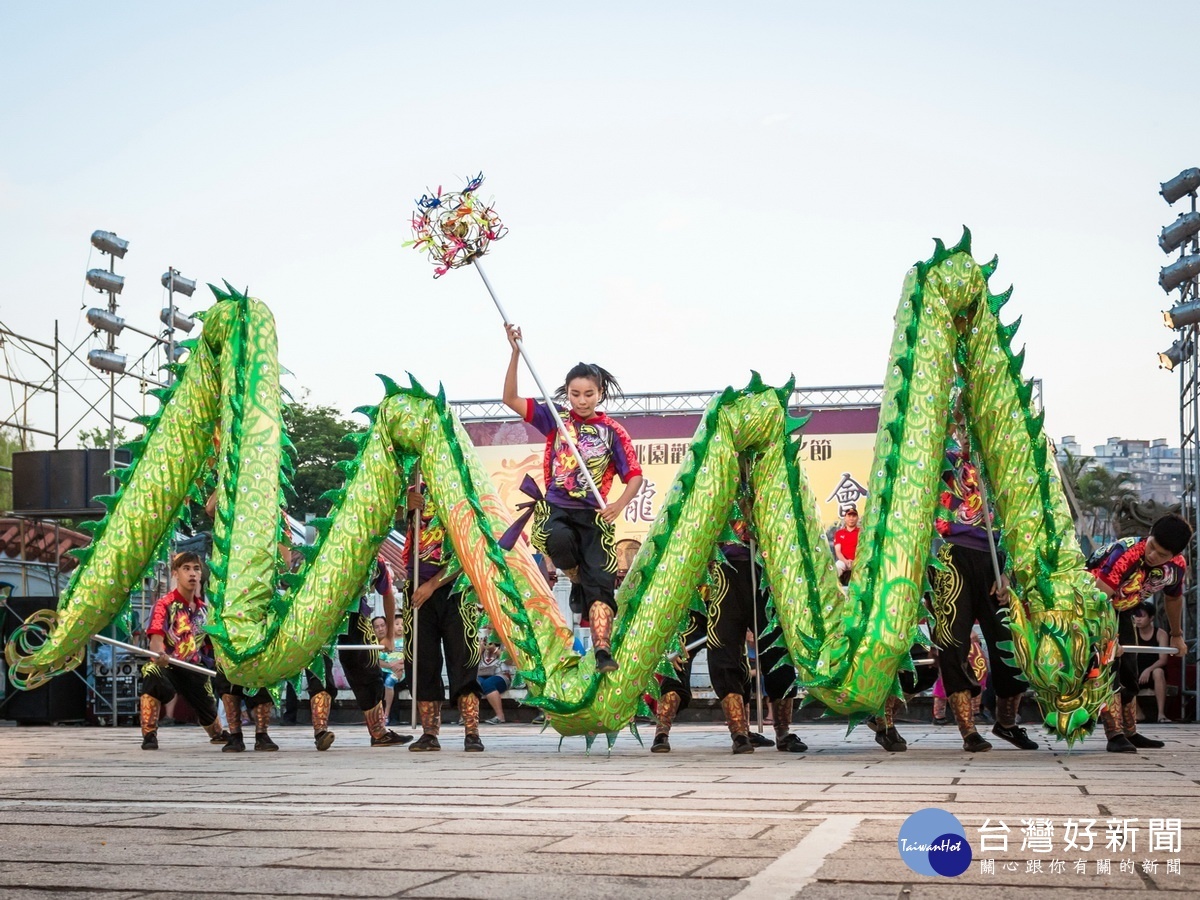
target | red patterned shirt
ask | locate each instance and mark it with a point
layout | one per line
(604, 445)
(181, 625)
(1122, 566)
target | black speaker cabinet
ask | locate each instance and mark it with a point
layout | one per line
(62, 699)
(57, 483)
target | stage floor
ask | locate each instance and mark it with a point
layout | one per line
(86, 813)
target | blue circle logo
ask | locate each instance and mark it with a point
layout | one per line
(933, 842)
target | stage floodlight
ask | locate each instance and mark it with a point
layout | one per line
(179, 353)
(1179, 231)
(185, 286)
(107, 242)
(103, 280)
(1181, 185)
(1183, 269)
(1182, 314)
(182, 322)
(106, 361)
(103, 320)
(1175, 354)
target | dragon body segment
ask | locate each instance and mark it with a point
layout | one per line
(847, 647)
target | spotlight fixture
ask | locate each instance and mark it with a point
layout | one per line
(181, 285)
(1183, 269)
(103, 320)
(103, 280)
(1180, 230)
(171, 316)
(1182, 314)
(107, 361)
(1181, 185)
(107, 242)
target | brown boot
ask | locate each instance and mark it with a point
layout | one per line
(1006, 726)
(886, 735)
(1129, 714)
(381, 735)
(319, 706)
(739, 724)
(468, 709)
(1114, 730)
(960, 704)
(262, 721)
(216, 734)
(781, 712)
(430, 713)
(600, 615)
(233, 714)
(668, 706)
(149, 709)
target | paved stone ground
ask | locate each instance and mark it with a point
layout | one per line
(85, 813)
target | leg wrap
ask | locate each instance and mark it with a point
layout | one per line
(668, 705)
(960, 702)
(468, 708)
(1006, 710)
(320, 704)
(262, 717)
(430, 713)
(601, 618)
(1112, 719)
(1129, 715)
(735, 714)
(889, 712)
(213, 728)
(375, 723)
(233, 712)
(149, 710)
(781, 712)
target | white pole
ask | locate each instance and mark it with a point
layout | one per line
(414, 557)
(142, 651)
(758, 661)
(562, 429)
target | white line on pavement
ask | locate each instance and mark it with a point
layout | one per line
(790, 873)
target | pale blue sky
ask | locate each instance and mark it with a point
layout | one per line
(693, 190)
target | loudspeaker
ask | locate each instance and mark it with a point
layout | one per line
(61, 482)
(62, 699)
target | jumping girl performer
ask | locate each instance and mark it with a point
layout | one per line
(569, 526)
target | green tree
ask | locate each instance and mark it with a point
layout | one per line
(101, 438)
(317, 432)
(1073, 468)
(9, 443)
(1102, 493)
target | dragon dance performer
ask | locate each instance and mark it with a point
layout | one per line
(912, 683)
(361, 668)
(259, 704)
(176, 631)
(568, 526)
(734, 602)
(965, 590)
(1130, 571)
(675, 691)
(446, 619)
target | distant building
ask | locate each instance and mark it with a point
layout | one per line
(1152, 466)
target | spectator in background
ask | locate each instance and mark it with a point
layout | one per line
(845, 544)
(1152, 667)
(390, 664)
(495, 677)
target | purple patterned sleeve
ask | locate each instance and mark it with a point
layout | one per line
(540, 417)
